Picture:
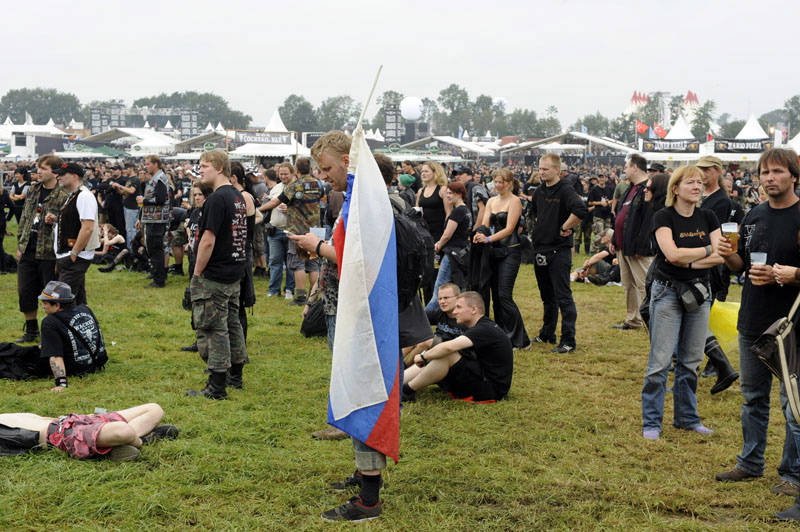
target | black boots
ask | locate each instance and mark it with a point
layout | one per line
(726, 375)
(31, 329)
(235, 375)
(790, 514)
(215, 387)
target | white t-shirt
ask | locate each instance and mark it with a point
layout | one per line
(278, 219)
(87, 210)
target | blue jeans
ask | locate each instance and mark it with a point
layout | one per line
(278, 247)
(755, 381)
(671, 326)
(131, 216)
(556, 294)
(444, 276)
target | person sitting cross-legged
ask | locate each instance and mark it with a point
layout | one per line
(478, 364)
(114, 435)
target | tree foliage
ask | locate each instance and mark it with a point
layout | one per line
(338, 111)
(702, 119)
(209, 106)
(791, 108)
(731, 128)
(42, 104)
(390, 97)
(298, 114)
(454, 110)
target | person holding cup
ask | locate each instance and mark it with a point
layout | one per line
(687, 239)
(770, 288)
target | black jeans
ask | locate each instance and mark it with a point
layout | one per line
(554, 289)
(506, 312)
(74, 274)
(154, 242)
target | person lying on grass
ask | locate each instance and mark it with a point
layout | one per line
(477, 365)
(114, 435)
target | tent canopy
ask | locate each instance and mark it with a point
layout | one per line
(752, 130)
(681, 130)
(460, 144)
(272, 150)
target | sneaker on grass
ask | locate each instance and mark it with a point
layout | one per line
(161, 432)
(353, 481)
(353, 510)
(123, 453)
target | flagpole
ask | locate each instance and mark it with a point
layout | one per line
(369, 98)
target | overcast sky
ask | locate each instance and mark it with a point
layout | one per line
(579, 55)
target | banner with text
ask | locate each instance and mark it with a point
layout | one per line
(675, 146)
(742, 145)
(263, 137)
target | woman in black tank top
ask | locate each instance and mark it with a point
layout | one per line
(431, 198)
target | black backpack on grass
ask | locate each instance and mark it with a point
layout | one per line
(414, 255)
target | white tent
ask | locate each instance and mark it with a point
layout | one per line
(444, 139)
(680, 131)
(8, 122)
(752, 130)
(209, 127)
(276, 124)
(378, 136)
(219, 127)
(252, 149)
(795, 143)
(50, 123)
(169, 125)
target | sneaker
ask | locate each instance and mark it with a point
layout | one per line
(790, 514)
(651, 434)
(735, 475)
(331, 433)
(784, 487)
(271, 294)
(524, 347)
(161, 432)
(563, 348)
(106, 269)
(298, 302)
(123, 453)
(352, 481)
(701, 429)
(540, 340)
(353, 510)
(407, 397)
(288, 295)
(28, 337)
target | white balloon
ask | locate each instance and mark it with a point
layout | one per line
(411, 108)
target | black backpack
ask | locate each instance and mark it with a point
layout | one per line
(414, 255)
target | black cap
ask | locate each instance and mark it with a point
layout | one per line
(656, 167)
(464, 170)
(69, 168)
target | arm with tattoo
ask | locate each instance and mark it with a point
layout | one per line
(59, 372)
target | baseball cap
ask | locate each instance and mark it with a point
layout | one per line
(69, 168)
(707, 161)
(406, 180)
(464, 170)
(656, 167)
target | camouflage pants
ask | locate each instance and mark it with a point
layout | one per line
(598, 226)
(215, 313)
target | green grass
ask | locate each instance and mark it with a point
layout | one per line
(564, 452)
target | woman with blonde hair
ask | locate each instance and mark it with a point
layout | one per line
(430, 198)
(680, 301)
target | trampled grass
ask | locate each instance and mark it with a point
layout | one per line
(564, 452)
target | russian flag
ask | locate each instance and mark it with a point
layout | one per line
(364, 398)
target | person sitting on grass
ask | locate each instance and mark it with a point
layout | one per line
(477, 365)
(113, 435)
(71, 337)
(112, 244)
(443, 319)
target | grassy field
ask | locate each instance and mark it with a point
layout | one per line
(564, 452)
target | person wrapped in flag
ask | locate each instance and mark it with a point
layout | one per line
(359, 287)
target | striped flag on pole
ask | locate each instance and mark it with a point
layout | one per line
(365, 384)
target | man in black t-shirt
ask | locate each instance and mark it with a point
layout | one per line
(476, 196)
(71, 337)
(219, 268)
(600, 197)
(478, 364)
(769, 291)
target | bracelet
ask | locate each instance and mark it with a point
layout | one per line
(796, 271)
(318, 246)
(708, 250)
(690, 265)
(61, 382)
(562, 229)
(422, 356)
(72, 252)
(488, 239)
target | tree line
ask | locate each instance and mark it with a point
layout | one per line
(450, 112)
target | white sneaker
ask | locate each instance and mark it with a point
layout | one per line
(288, 295)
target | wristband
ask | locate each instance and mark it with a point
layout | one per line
(562, 229)
(318, 246)
(422, 356)
(61, 382)
(488, 239)
(708, 251)
(72, 252)
(690, 265)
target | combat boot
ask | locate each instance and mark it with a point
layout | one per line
(215, 387)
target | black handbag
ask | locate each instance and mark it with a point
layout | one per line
(314, 323)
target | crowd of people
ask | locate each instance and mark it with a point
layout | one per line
(656, 231)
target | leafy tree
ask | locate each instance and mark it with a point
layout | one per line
(429, 108)
(622, 128)
(791, 108)
(731, 128)
(650, 113)
(338, 111)
(772, 118)
(702, 119)
(522, 122)
(482, 114)
(547, 127)
(86, 111)
(723, 119)
(596, 124)
(455, 110)
(209, 106)
(675, 105)
(298, 114)
(42, 104)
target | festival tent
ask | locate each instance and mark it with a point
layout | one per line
(199, 141)
(144, 141)
(752, 130)
(8, 131)
(608, 143)
(452, 141)
(795, 143)
(680, 130)
(8, 122)
(275, 124)
(253, 149)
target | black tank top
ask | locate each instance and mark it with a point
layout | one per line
(433, 212)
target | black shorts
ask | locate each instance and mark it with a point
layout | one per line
(466, 379)
(414, 325)
(32, 276)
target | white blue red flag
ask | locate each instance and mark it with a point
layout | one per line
(365, 386)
